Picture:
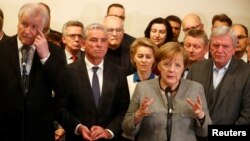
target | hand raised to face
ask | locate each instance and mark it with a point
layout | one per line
(41, 44)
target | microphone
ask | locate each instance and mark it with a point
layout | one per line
(168, 93)
(25, 77)
(24, 51)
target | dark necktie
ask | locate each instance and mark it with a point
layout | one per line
(25, 76)
(25, 54)
(95, 86)
(74, 58)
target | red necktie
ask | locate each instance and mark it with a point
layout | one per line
(74, 58)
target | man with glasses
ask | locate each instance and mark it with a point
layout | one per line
(119, 43)
(192, 21)
(117, 10)
(242, 36)
(73, 40)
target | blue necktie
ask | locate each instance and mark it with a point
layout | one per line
(95, 86)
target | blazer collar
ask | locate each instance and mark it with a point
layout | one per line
(230, 76)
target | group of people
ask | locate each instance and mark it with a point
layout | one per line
(99, 83)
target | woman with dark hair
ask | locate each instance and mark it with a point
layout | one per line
(159, 31)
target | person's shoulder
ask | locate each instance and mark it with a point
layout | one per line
(55, 32)
(112, 67)
(126, 42)
(77, 65)
(51, 44)
(55, 48)
(241, 62)
(126, 35)
(10, 41)
(203, 63)
(128, 38)
(129, 77)
(242, 66)
(190, 83)
(4, 37)
(149, 82)
(148, 85)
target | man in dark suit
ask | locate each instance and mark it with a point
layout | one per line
(3, 36)
(84, 115)
(225, 79)
(27, 111)
(119, 43)
(73, 40)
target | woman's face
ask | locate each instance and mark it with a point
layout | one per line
(144, 59)
(171, 70)
(158, 34)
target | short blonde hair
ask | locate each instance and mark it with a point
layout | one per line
(142, 42)
(169, 50)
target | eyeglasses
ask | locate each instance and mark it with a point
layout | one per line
(241, 37)
(190, 28)
(111, 30)
(73, 36)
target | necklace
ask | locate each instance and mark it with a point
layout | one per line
(173, 91)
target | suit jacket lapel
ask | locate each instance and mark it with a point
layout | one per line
(85, 80)
(207, 76)
(229, 77)
(14, 57)
(105, 95)
(35, 64)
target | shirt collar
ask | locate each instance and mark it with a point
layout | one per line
(1, 35)
(224, 67)
(244, 57)
(20, 45)
(137, 78)
(90, 65)
(68, 55)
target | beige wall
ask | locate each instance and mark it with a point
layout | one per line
(138, 12)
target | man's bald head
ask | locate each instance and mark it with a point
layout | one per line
(112, 20)
(191, 21)
(115, 28)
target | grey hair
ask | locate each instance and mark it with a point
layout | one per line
(72, 23)
(223, 30)
(93, 26)
(34, 9)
